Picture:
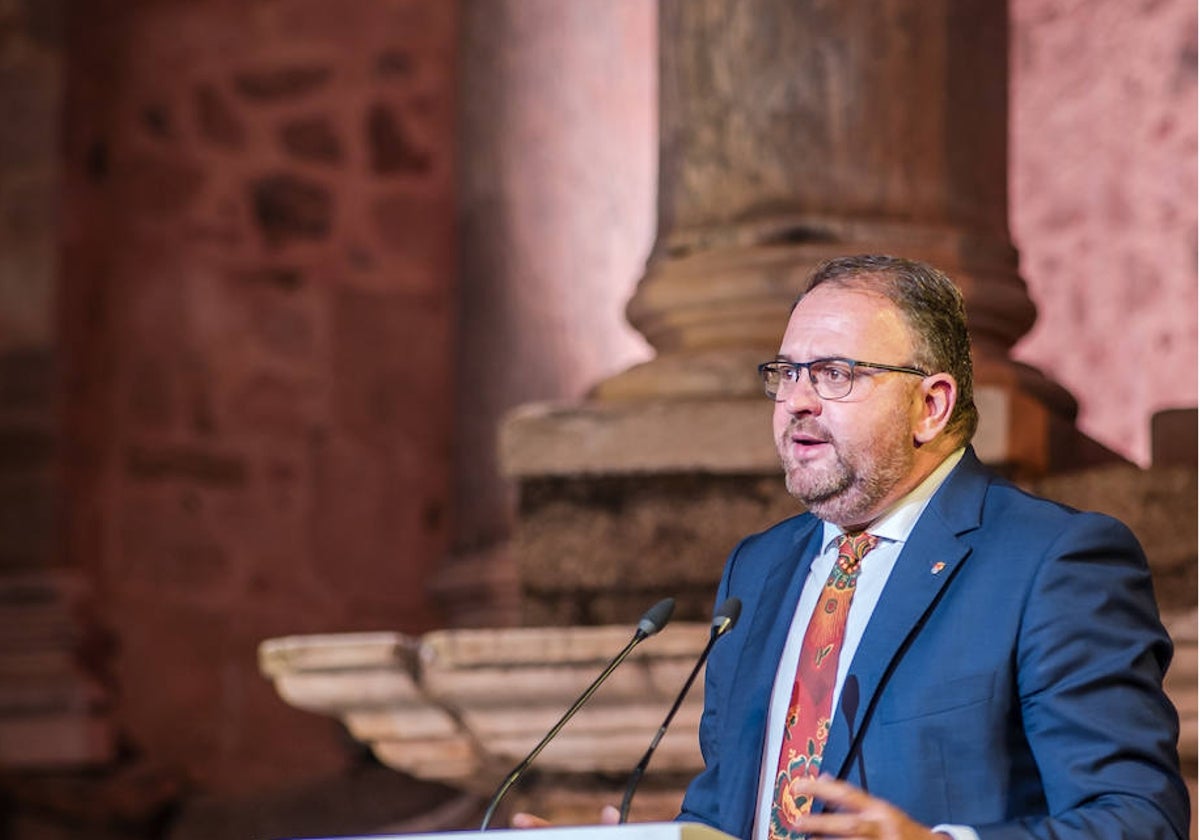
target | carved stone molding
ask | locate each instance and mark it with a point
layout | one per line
(465, 706)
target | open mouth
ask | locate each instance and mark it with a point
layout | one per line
(803, 437)
(807, 445)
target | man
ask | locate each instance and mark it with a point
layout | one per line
(982, 663)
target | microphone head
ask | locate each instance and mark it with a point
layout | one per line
(726, 616)
(656, 618)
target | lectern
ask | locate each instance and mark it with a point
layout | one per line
(629, 831)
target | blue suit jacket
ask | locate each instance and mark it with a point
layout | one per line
(1009, 679)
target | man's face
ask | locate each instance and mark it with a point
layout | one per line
(847, 460)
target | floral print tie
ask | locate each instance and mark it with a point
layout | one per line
(809, 713)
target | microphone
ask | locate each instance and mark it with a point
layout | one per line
(655, 619)
(849, 706)
(723, 620)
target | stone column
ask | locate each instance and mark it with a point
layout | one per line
(790, 132)
(54, 703)
(814, 130)
(556, 146)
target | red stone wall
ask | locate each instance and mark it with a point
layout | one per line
(30, 92)
(52, 708)
(256, 295)
(1103, 183)
(31, 66)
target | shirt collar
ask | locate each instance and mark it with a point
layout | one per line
(897, 522)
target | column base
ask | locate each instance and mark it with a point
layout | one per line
(1018, 433)
(640, 500)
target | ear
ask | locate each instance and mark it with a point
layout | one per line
(938, 394)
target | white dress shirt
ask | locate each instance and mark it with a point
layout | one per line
(892, 529)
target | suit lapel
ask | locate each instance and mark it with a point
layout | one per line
(755, 673)
(928, 562)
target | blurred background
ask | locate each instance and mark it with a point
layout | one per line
(274, 275)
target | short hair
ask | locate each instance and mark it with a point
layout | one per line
(933, 308)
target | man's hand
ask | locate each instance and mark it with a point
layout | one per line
(854, 813)
(608, 816)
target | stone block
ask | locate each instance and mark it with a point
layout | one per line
(417, 232)
(453, 760)
(376, 510)
(586, 547)
(396, 64)
(1158, 504)
(275, 306)
(64, 739)
(158, 186)
(639, 438)
(393, 147)
(646, 498)
(53, 712)
(218, 123)
(272, 405)
(483, 698)
(371, 725)
(45, 20)
(194, 464)
(367, 679)
(30, 102)
(155, 399)
(25, 449)
(159, 122)
(1173, 438)
(27, 379)
(314, 139)
(284, 83)
(245, 739)
(282, 277)
(388, 358)
(289, 208)
(732, 434)
(29, 517)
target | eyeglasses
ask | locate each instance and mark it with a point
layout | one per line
(832, 379)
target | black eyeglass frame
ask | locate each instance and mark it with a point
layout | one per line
(783, 364)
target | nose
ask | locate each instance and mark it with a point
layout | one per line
(802, 397)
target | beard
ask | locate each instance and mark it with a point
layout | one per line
(848, 491)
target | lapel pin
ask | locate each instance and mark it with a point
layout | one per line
(937, 567)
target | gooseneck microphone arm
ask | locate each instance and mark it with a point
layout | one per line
(723, 620)
(654, 620)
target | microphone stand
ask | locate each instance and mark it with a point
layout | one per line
(723, 621)
(653, 621)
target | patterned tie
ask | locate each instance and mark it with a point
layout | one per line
(807, 724)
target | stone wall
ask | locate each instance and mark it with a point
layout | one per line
(31, 65)
(53, 706)
(590, 546)
(1103, 196)
(257, 321)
